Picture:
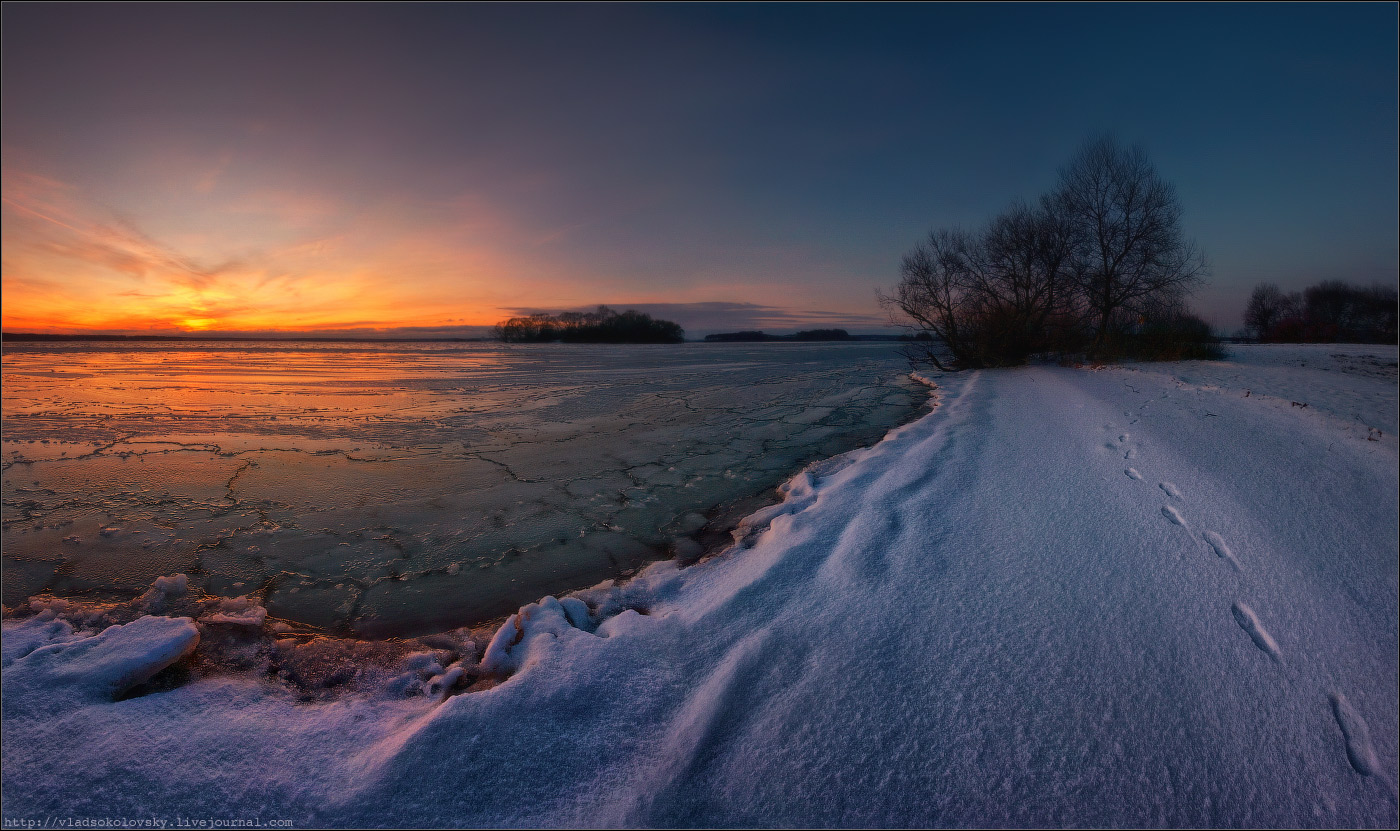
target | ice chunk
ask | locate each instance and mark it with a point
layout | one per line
(442, 684)
(497, 659)
(49, 607)
(237, 611)
(174, 584)
(25, 636)
(577, 612)
(511, 648)
(162, 588)
(105, 665)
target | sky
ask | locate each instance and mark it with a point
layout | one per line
(433, 169)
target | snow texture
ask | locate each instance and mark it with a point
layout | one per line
(56, 668)
(978, 621)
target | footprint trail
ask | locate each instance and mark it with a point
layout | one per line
(1222, 550)
(1357, 735)
(1249, 622)
(1174, 515)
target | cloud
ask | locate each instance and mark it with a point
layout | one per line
(72, 265)
(257, 255)
(209, 179)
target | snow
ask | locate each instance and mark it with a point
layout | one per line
(978, 621)
(63, 669)
(161, 589)
(236, 611)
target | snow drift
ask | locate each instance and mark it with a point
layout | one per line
(1158, 595)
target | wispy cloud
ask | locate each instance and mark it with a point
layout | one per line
(111, 272)
(209, 179)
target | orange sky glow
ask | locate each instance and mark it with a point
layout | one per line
(271, 261)
(432, 170)
(195, 249)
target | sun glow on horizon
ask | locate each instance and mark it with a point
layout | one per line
(249, 260)
(69, 270)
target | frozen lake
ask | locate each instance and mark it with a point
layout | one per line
(394, 489)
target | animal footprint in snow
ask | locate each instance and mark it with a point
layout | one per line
(1221, 549)
(1123, 437)
(1170, 490)
(1131, 454)
(1356, 735)
(1174, 515)
(1249, 622)
(1133, 474)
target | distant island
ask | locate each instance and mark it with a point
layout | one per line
(602, 326)
(750, 336)
(806, 335)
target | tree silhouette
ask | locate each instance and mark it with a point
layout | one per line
(1095, 263)
(1128, 250)
(601, 326)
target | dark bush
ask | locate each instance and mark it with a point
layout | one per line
(1329, 312)
(1176, 336)
(822, 334)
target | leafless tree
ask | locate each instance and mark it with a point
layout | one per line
(1128, 249)
(991, 297)
(1268, 306)
(933, 292)
(1102, 258)
(1028, 275)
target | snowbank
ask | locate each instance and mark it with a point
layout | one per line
(59, 670)
(1135, 596)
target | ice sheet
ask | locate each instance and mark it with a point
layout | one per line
(402, 489)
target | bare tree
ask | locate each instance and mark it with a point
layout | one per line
(933, 292)
(1128, 249)
(1026, 253)
(1101, 257)
(993, 297)
(1267, 307)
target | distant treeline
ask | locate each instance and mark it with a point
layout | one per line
(1329, 312)
(602, 326)
(806, 335)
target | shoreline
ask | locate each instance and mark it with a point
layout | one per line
(883, 624)
(721, 534)
(602, 471)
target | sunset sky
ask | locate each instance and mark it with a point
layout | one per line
(435, 168)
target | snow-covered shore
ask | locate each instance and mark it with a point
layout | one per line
(1149, 595)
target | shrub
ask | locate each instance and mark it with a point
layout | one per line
(1178, 336)
(1329, 312)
